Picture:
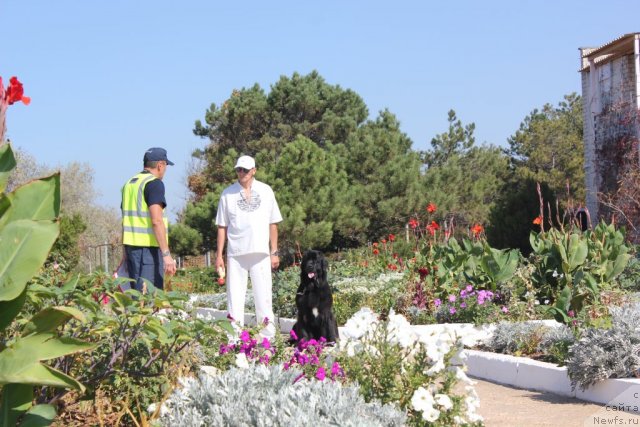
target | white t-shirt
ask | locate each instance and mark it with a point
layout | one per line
(248, 221)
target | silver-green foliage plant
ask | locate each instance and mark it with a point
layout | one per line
(527, 338)
(270, 396)
(607, 353)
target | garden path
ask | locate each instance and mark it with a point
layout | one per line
(504, 406)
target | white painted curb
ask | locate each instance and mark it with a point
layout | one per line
(522, 372)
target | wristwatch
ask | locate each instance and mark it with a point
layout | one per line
(275, 253)
(166, 253)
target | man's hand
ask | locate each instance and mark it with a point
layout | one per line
(275, 262)
(169, 265)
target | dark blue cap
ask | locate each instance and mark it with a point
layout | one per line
(156, 154)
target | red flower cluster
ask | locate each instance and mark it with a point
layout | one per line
(413, 223)
(15, 92)
(538, 220)
(431, 208)
(392, 237)
(476, 230)
(431, 228)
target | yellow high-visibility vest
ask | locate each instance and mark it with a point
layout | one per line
(136, 217)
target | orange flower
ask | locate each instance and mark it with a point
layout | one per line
(375, 244)
(477, 229)
(538, 220)
(383, 241)
(431, 208)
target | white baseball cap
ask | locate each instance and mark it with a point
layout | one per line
(246, 162)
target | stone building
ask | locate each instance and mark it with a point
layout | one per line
(611, 100)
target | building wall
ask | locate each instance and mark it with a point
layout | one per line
(610, 118)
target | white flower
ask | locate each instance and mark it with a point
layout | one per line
(422, 400)
(437, 367)
(462, 376)
(359, 324)
(430, 415)
(400, 331)
(241, 361)
(444, 401)
(459, 420)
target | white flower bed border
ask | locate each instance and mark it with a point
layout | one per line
(520, 372)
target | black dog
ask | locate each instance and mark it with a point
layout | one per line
(314, 300)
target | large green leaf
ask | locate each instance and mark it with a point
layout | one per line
(616, 267)
(39, 416)
(7, 163)
(39, 374)
(16, 400)
(50, 318)
(20, 362)
(24, 246)
(577, 253)
(10, 309)
(38, 347)
(37, 200)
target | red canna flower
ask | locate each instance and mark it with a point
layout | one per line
(392, 267)
(413, 223)
(477, 229)
(15, 92)
(431, 228)
(392, 237)
(383, 241)
(431, 208)
(376, 252)
(375, 244)
(538, 220)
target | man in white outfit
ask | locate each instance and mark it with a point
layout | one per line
(247, 219)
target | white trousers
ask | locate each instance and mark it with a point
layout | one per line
(238, 270)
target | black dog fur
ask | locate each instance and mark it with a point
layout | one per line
(314, 300)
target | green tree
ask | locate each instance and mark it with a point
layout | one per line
(184, 240)
(201, 216)
(372, 175)
(464, 180)
(66, 250)
(549, 148)
(384, 177)
(311, 191)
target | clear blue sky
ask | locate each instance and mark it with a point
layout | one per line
(108, 79)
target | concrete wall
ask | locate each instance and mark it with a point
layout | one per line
(610, 116)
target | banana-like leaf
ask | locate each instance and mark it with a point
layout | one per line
(10, 309)
(7, 163)
(16, 400)
(578, 251)
(24, 246)
(37, 200)
(50, 318)
(39, 416)
(615, 268)
(39, 374)
(39, 347)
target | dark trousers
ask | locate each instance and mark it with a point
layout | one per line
(145, 263)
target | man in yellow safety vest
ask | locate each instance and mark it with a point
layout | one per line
(144, 225)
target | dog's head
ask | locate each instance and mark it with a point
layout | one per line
(313, 268)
